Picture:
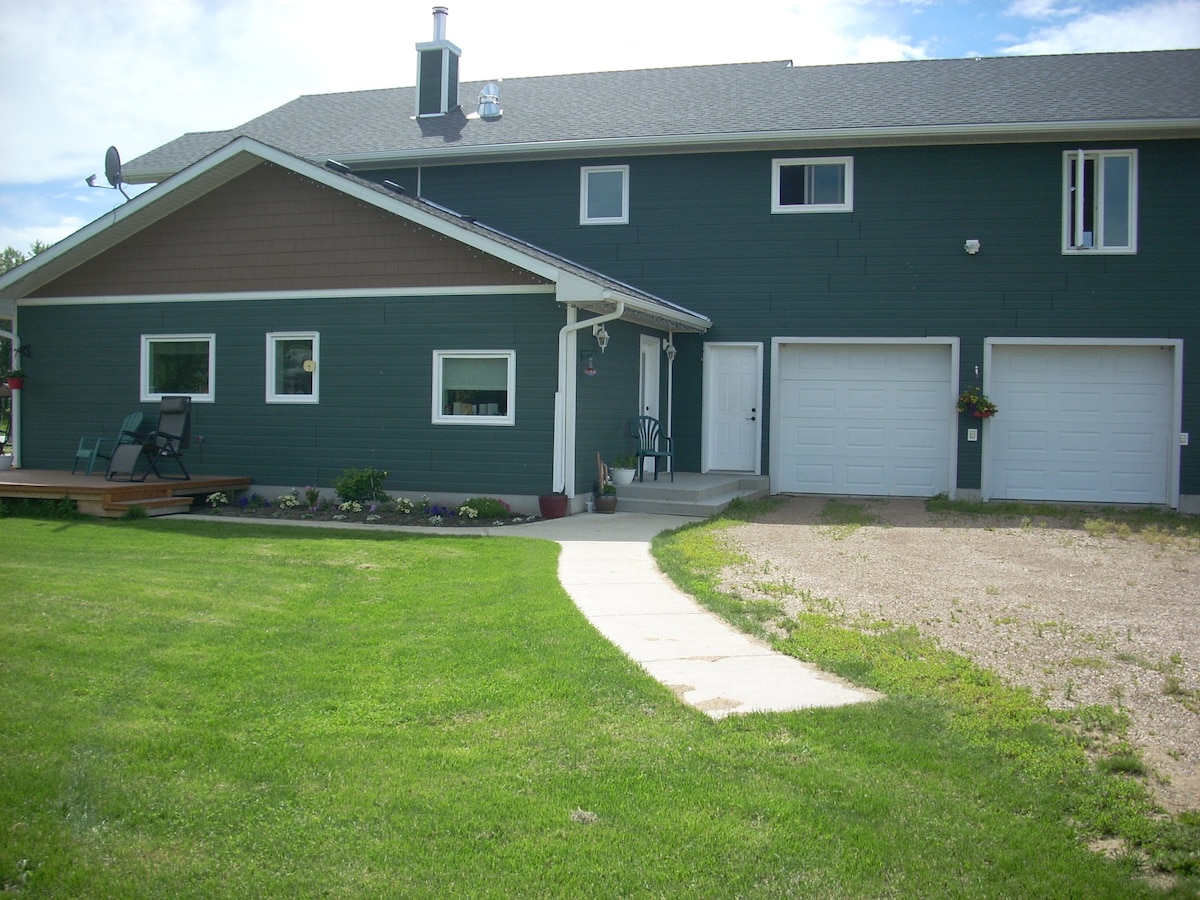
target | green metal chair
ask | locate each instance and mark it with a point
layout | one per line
(93, 448)
(652, 443)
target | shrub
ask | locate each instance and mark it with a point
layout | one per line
(360, 485)
(485, 508)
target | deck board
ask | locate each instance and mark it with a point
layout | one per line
(96, 496)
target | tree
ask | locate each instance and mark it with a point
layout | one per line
(11, 257)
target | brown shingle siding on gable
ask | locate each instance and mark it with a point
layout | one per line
(273, 230)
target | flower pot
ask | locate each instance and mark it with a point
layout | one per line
(622, 476)
(552, 506)
(606, 503)
(5, 461)
(16, 383)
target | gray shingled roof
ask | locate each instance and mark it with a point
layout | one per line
(709, 106)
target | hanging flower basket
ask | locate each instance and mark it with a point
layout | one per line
(975, 403)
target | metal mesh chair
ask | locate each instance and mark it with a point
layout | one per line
(168, 440)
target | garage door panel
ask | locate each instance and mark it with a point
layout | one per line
(1096, 429)
(865, 418)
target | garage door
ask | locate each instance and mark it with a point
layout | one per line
(1081, 423)
(864, 418)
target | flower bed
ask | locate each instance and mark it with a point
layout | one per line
(478, 512)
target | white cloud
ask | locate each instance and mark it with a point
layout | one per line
(1042, 9)
(1163, 25)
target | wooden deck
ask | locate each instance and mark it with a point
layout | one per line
(94, 496)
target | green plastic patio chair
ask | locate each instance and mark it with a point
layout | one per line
(93, 448)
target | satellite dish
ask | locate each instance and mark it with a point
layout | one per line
(112, 167)
(112, 171)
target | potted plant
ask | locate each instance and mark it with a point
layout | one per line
(623, 469)
(975, 402)
(553, 506)
(606, 499)
(16, 379)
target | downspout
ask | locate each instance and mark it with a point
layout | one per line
(671, 391)
(564, 399)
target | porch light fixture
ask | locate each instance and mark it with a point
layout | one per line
(971, 246)
(601, 334)
(669, 349)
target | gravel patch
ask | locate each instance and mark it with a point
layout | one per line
(1080, 618)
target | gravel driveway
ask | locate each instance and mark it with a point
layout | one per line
(1080, 616)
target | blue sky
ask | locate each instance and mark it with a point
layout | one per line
(78, 77)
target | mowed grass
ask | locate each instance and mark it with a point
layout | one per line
(207, 709)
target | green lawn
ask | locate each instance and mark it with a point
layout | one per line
(204, 709)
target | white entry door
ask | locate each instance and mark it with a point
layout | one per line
(732, 407)
(648, 384)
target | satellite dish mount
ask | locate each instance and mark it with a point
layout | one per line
(112, 171)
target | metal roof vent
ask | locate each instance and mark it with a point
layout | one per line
(437, 70)
(489, 101)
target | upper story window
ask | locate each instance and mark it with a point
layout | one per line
(474, 387)
(292, 372)
(1100, 201)
(817, 184)
(604, 195)
(175, 364)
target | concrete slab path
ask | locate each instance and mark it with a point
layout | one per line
(607, 569)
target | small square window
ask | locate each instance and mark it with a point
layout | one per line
(177, 364)
(474, 387)
(293, 374)
(1100, 201)
(820, 184)
(604, 195)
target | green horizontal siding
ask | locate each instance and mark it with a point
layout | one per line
(376, 370)
(701, 234)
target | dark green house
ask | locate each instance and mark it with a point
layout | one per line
(798, 269)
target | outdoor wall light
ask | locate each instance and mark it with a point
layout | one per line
(669, 349)
(971, 246)
(601, 336)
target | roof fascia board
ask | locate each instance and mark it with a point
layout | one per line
(843, 137)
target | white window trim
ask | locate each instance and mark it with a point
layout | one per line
(272, 338)
(442, 418)
(847, 206)
(1071, 241)
(147, 396)
(623, 218)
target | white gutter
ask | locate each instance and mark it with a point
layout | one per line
(564, 398)
(793, 137)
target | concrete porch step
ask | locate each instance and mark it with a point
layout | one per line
(691, 494)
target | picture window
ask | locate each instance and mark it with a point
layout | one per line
(474, 387)
(178, 365)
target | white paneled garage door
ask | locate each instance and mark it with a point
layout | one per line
(1081, 422)
(863, 418)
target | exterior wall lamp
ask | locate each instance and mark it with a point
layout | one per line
(669, 348)
(971, 246)
(601, 334)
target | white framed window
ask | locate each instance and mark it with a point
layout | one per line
(474, 387)
(812, 185)
(293, 373)
(604, 195)
(1100, 201)
(178, 364)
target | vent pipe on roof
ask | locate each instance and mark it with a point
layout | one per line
(437, 70)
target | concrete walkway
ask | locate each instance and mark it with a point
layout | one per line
(607, 569)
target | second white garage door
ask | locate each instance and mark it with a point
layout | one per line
(870, 419)
(1079, 421)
